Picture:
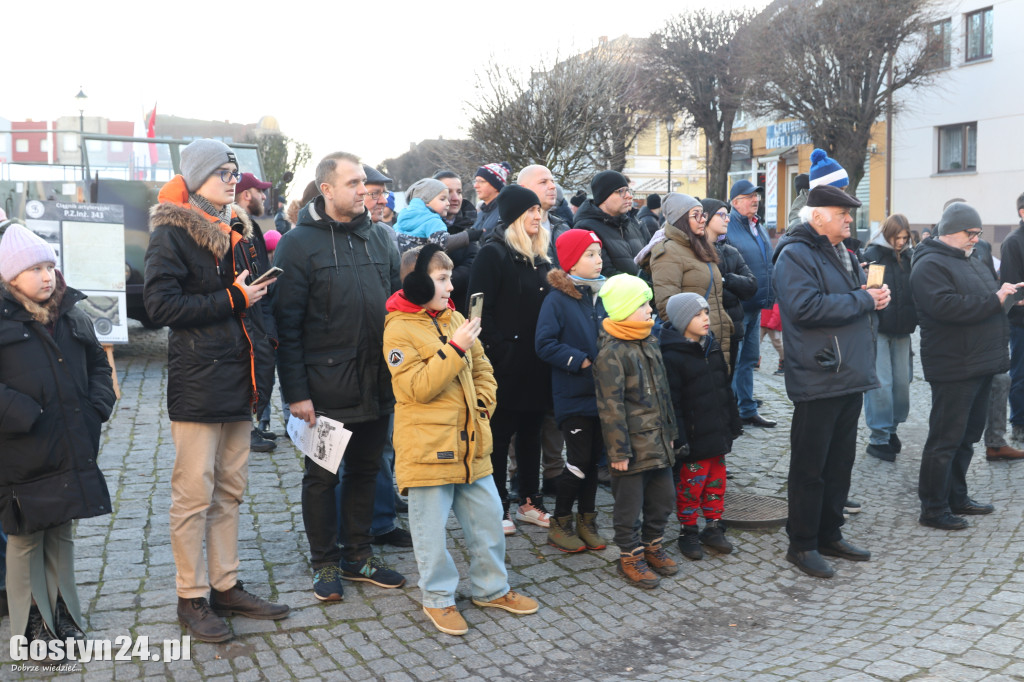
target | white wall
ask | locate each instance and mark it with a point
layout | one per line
(990, 92)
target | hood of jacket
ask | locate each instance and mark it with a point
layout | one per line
(209, 232)
(561, 281)
(314, 214)
(590, 211)
(933, 248)
(672, 337)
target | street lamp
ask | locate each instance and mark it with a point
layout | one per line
(670, 125)
(80, 101)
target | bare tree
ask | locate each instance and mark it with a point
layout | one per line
(281, 154)
(703, 67)
(429, 156)
(834, 63)
(578, 116)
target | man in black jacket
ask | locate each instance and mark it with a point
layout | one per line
(607, 214)
(339, 270)
(461, 216)
(964, 337)
(828, 329)
(1012, 270)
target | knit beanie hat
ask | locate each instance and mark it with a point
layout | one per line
(825, 171)
(426, 189)
(514, 201)
(271, 238)
(200, 158)
(713, 206)
(606, 182)
(20, 249)
(654, 201)
(417, 285)
(677, 205)
(571, 244)
(682, 308)
(622, 294)
(496, 174)
(578, 198)
(957, 217)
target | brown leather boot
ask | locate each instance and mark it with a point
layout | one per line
(634, 568)
(658, 559)
(202, 623)
(238, 602)
(1005, 452)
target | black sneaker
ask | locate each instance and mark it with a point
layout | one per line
(327, 584)
(36, 628)
(265, 432)
(258, 443)
(372, 570)
(65, 624)
(894, 443)
(885, 451)
(397, 537)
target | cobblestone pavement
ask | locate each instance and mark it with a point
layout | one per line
(929, 605)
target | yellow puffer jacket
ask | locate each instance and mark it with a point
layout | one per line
(443, 400)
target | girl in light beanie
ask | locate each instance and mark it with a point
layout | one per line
(55, 392)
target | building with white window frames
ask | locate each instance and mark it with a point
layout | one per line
(964, 137)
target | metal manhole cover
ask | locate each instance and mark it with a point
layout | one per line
(745, 510)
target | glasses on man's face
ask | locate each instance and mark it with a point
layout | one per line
(624, 192)
(376, 195)
(973, 234)
(226, 175)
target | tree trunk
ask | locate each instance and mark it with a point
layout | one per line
(721, 160)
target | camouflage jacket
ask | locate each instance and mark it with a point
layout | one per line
(634, 403)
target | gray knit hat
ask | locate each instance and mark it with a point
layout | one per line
(682, 308)
(958, 217)
(201, 158)
(425, 189)
(675, 205)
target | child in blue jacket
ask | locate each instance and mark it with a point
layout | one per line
(566, 339)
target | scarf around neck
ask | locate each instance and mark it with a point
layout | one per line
(626, 330)
(204, 205)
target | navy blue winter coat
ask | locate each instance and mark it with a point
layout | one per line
(829, 327)
(757, 257)
(567, 330)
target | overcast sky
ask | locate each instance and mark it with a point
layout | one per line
(365, 78)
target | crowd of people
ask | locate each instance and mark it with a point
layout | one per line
(456, 341)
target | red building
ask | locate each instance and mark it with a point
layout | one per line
(33, 142)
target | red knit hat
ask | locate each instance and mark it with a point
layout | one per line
(571, 245)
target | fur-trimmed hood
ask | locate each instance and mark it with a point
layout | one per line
(208, 232)
(560, 281)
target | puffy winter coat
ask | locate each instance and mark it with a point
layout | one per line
(705, 409)
(900, 316)
(738, 282)
(220, 356)
(634, 403)
(828, 321)
(676, 269)
(567, 330)
(1012, 268)
(758, 258)
(964, 331)
(648, 220)
(330, 306)
(55, 392)
(443, 398)
(621, 238)
(462, 257)
(513, 290)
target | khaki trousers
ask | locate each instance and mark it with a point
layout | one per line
(211, 470)
(40, 566)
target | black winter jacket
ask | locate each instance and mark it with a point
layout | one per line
(964, 331)
(487, 216)
(706, 412)
(55, 392)
(1012, 268)
(828, 325)
(463, 257)
(648, 220)
(622, 238)
(738, 283)
(900, 316)
(330, 306)
(514, 291)
(219, 353)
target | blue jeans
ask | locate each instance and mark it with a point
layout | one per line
(1016, 375)
(478, 509)
(888, 406)
(749, 352)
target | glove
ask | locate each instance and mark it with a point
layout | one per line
(474, 234)
(682, 451)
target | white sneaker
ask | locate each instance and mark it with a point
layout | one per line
(507, 526)
(532, 513)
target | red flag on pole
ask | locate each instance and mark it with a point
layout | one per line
(151, 132)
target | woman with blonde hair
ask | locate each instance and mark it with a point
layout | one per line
(888, 406)
(511, 272)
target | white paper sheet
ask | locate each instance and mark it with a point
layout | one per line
(323, 443)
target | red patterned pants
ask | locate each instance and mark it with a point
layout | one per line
(701, 488)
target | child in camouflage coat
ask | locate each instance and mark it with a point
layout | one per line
(639, 427)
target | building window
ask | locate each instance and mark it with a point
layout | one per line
(978, 27)
(939, 42)
(21, 145)
(44, 145)
(70, 142)
(958, 148)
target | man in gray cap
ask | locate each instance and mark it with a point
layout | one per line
(964, 337)
(829, 328)
(377, 198)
